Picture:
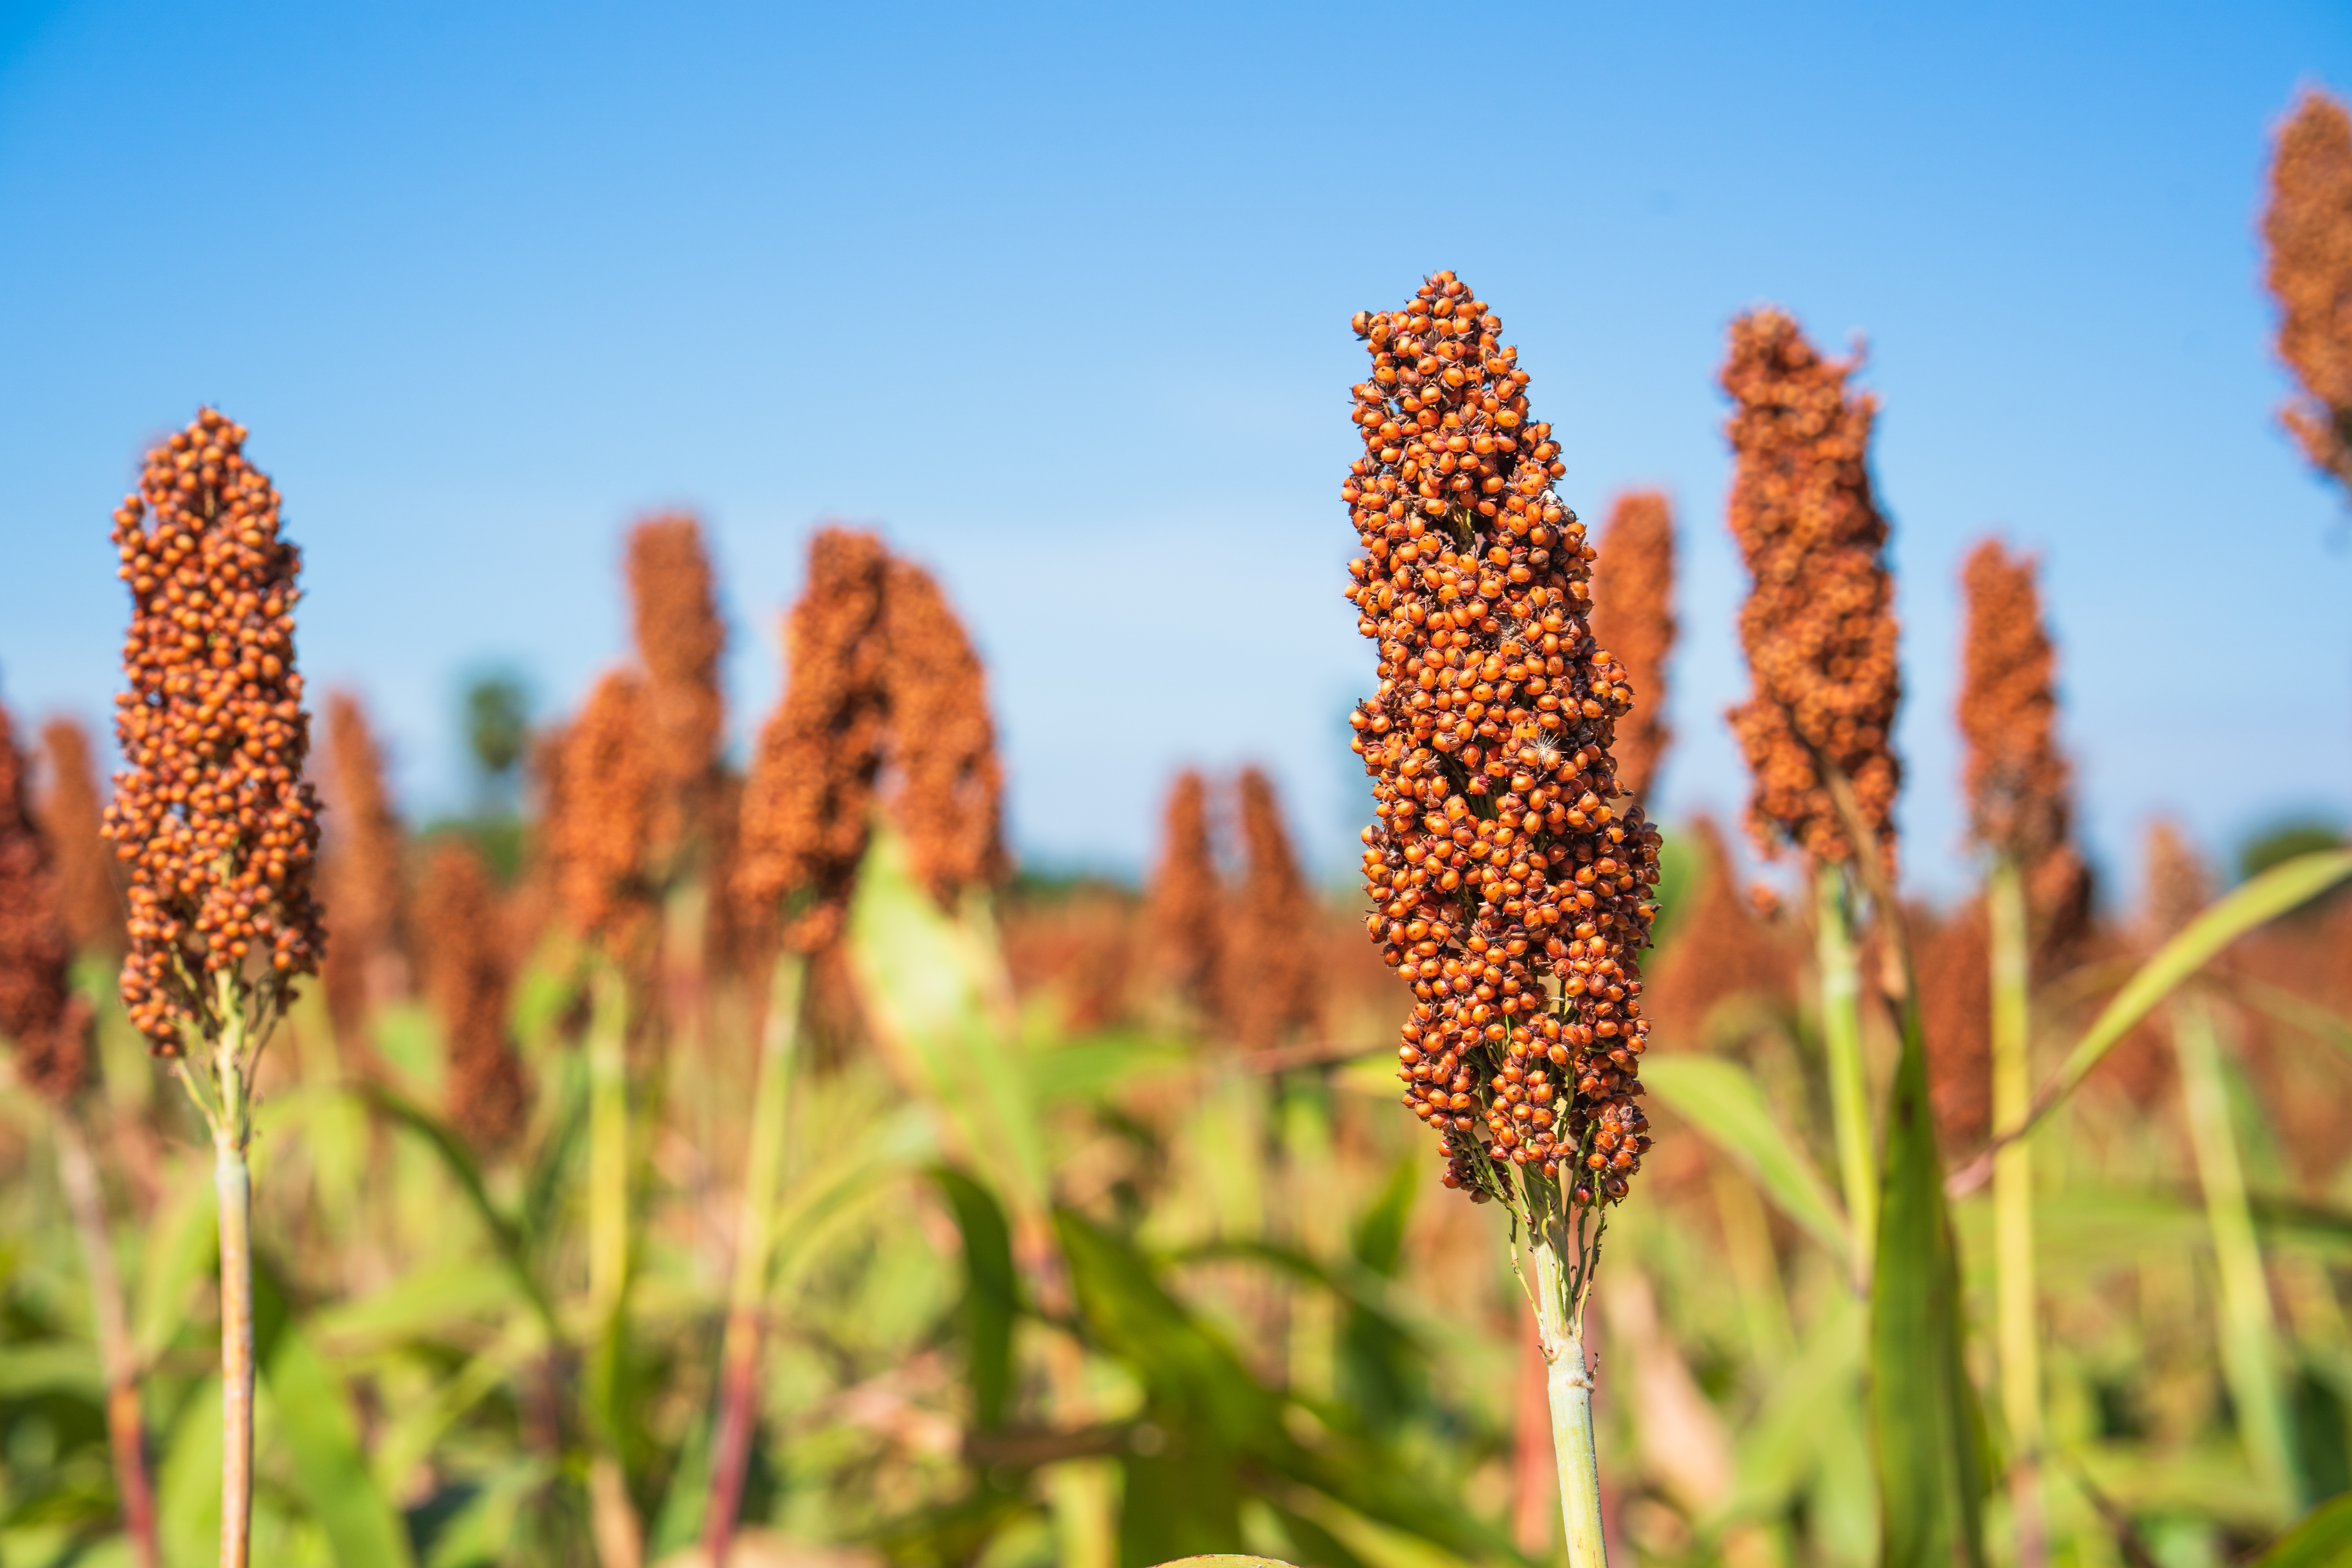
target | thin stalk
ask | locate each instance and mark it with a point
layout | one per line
(613, 1517)
(78, 1172)
(1561, 1283)
(2249, 1355)
(1841, 977)
(763, 1168)
(2012, 1204)
(233, 1184)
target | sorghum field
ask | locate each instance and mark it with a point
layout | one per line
(689, 1159)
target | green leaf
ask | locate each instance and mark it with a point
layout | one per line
(2324, 1539)
(992, 1294)
(188, 1482)
(50, 1366)
(1724, 1102)
(2284, 887)
(310, 1411)
(506, 1237)
(181, 1245)
(1924, 1422)
(1778, 1450)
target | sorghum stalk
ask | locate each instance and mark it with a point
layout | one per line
(2018, 1332)
(1510, 874)
(1841, 982)
(763, 1170)
(806, 813)
(219, 830)
(2020, 814)
(49, 1026)
(2248, 1356)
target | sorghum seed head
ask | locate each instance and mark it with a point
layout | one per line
(1505, 883)
(601, 838)
(39, 1014)
(946, 784)
(1819, 622)
(466, 973)
(2309, 229)
(211, 814)
(88, 889)
(1270, 975)
(680, 639)
(808, 797)
(1184, 917)
(1633, 618)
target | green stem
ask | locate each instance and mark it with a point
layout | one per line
(1560, 1325)
(2012, 1198)
(763, 1169)
(2248, 1356)
(233, 1184)
(1840, 976)
(77, 1173)
(612, 1515)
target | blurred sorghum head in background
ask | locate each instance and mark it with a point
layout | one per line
(212, 814)
(1270, 973)
(2309, 228)
(601, 837)
(466, 970)
(1184, 915)
(807, 799)
(947, 784)
(1497, 868)
(39, 1013)
(1819, 622)
(1634, 619)
(680, 639)
(88, 889)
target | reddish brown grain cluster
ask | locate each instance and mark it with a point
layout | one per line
(1508, 890)
(2020, 790)
(466, 972)
(1184, 917)
(39, 1013)
(807, 800)
(679, 640)
(601, 834)
(947, 785)
(88, 895)
(361, 871)
(2177, 886)
(1634, 619)
(1270, 963)
(211, 814)
(2309, 228)
(1819, 623)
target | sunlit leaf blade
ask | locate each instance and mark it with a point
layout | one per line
(310, 1412)
(1724, 1102)
(1923, 1419)
(2324, 1539)
(991, 1294)
(2284, 887)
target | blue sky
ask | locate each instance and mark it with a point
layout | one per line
(1058, 298)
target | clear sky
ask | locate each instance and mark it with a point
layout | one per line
(1059, 298)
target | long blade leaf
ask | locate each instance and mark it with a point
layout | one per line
(1724, 1102)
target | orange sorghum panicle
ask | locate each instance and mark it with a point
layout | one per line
(1511, 893)
(679, 639)
(1819, 623)
(601, 836)
(75, 821)
(811, 787)
(2177, 883)
(211, 815)
(39, 1013)
(466, 972)
(1269, 958)
(1634, 619)
(1183, 917)
(2020, 793)
(2309, 228)
(365, 894)
(948, 798)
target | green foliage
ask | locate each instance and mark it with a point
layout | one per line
(1724, 1102)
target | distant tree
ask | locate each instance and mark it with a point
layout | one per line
(497, 728)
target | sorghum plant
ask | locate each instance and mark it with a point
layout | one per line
(1183, 915)
(218, 828)
(1510, 874)
(2309, 228)
(1634, 619)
